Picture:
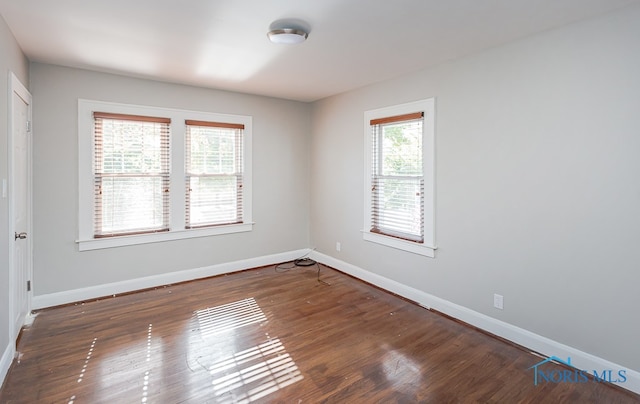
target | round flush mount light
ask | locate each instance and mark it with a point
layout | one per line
(287, 35)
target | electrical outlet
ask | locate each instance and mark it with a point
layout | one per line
(498, 301)
(338, 246)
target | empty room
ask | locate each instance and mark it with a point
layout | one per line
(360, 201)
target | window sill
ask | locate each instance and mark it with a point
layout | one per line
(409, 246)
(111, 242)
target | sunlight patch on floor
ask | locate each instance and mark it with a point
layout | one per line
(254, 373)
(132, 362)
(145, 382)
(213, 320)
(85, 366)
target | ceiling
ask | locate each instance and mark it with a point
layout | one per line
(222, 44)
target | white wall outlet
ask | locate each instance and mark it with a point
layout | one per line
(498, 301)
(338, 246)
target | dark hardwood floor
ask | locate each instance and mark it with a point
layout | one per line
(264, 336)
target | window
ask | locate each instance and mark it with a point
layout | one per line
(131, 174)
(397, 183)
(156, 174)
(399, 205)
(213, 173)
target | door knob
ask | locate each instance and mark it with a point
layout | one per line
(20, 236)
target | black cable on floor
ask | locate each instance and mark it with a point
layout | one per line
(304, 262)
(320, 280)
(301, 262)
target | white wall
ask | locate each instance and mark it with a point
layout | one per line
(11, 59)
(280, 171)
(538, 190)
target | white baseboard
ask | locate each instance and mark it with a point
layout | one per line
(6, 360)
(92, 292)
(520, 336)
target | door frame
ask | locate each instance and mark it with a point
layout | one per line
(16, 87)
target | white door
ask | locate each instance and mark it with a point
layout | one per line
(20, 204)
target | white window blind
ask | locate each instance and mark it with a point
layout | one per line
(397, 183)
(131, 174)
(214, 173)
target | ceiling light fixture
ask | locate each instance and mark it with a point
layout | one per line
(287, 35)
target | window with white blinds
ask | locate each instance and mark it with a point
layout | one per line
(399, 177)
(214, 173)
(131, 174)
(152, 174)
(397, 183)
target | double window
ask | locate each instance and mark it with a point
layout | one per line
(152, 174)
(400, 177)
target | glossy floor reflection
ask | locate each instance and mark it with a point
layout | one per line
(266, 336)
(229, 316)
(84, 367)
(254, 373)
(251, 373)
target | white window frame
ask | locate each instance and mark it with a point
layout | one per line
(428, 246)
(177, 230)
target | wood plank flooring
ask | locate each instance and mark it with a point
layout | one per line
(266, 336)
